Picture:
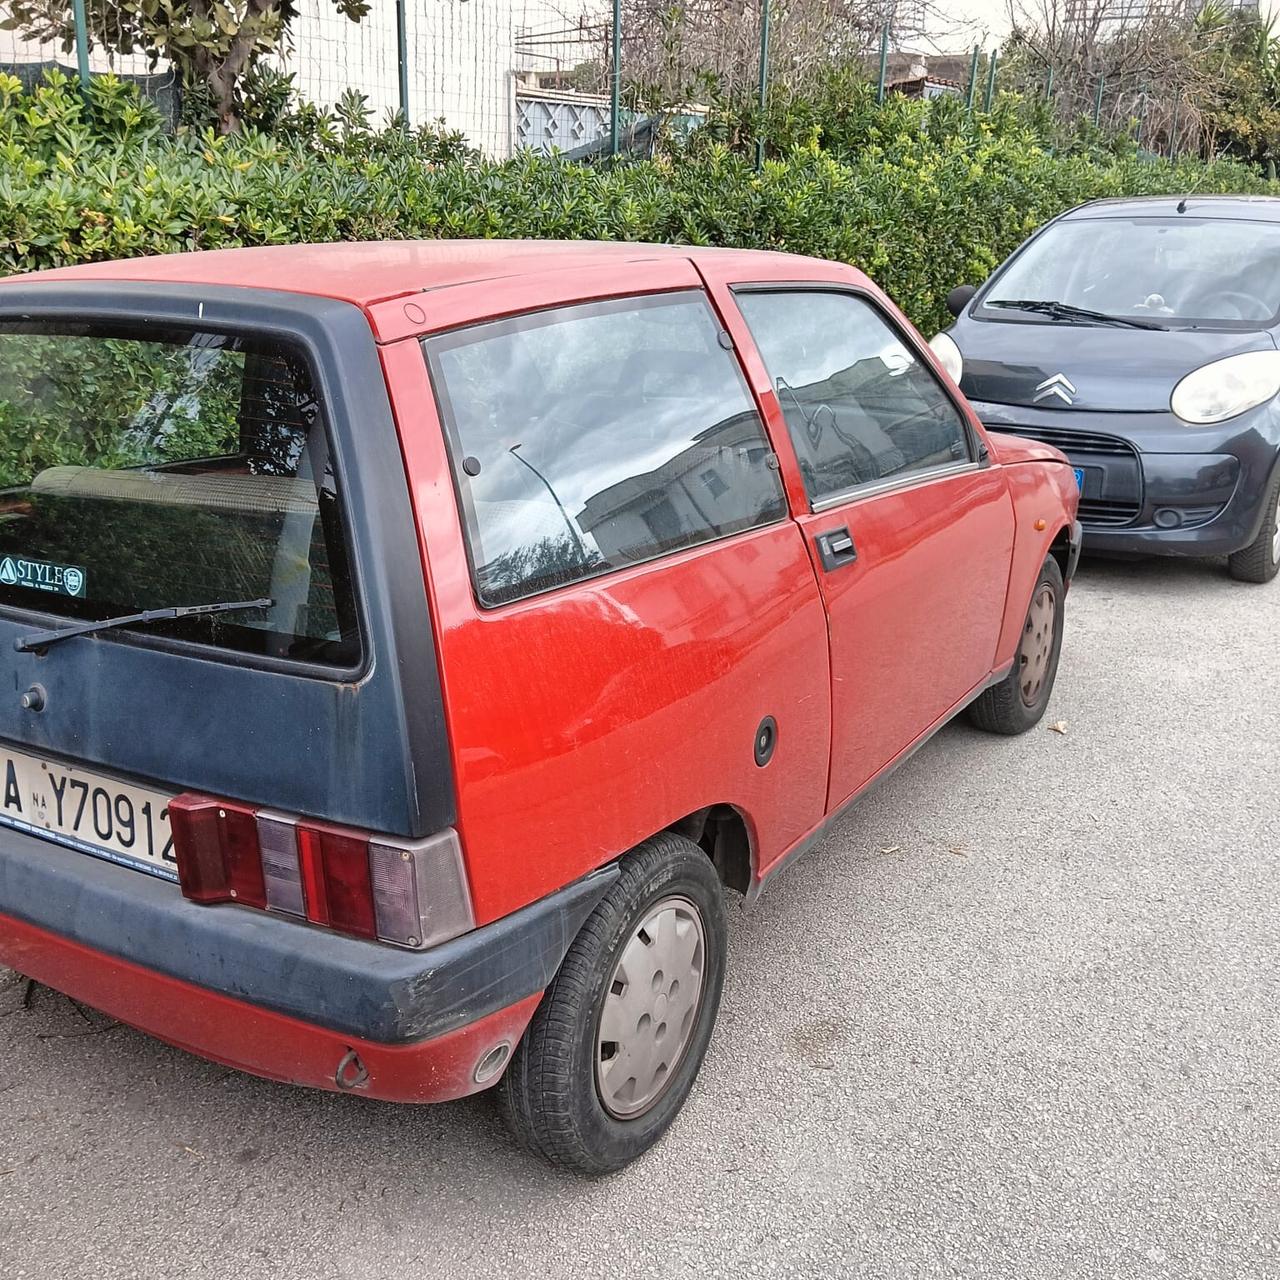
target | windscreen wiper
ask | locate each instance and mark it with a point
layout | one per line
(43, 639)
(1065, 311)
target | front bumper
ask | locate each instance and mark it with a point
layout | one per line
(275, 997)
(1144, 491)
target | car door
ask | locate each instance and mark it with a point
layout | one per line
(909, 526)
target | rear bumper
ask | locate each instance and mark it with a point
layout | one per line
(274, 997)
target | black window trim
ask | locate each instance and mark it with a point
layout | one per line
(253, 328)
(979, 458)
(457, 335)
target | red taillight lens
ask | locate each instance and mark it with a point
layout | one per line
(220, 842)
(336, 880)
(412, 893)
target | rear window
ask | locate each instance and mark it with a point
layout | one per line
(149, 468)
(597, 436)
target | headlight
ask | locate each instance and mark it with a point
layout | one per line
(949, 356)
(1225, 388)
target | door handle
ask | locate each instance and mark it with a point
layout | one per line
(836, 548)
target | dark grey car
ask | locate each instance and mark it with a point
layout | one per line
(1139, 336)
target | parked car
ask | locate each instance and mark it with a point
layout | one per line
(408, 642)
(1139, 336)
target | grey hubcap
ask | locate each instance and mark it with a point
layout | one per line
(1037, 645)
(1275, 537)
(650, 1008)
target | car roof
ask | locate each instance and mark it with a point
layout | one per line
(368, 272)
(1235, 208)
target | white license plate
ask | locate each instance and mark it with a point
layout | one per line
(88, 811)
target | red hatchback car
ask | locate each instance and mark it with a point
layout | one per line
(407, 642)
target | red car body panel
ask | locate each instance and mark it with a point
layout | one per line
(584, 719)
(621, 682)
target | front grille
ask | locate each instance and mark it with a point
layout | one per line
(1104, 514)
(1117, 499)
(1083, 442)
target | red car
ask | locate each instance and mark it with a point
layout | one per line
(405, 643)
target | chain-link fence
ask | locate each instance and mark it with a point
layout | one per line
(584, 76)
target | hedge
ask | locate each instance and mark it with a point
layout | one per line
(920, 196)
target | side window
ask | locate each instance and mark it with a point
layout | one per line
(596, 436)
(859, 404)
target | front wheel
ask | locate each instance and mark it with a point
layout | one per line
(1018, 702)
(1260, 560)
(613, 1049)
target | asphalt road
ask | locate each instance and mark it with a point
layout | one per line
(1015, 1018)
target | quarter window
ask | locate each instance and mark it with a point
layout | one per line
(597, 436)
(859, 404)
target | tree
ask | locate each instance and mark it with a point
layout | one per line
(210, 44)
(1204, 78)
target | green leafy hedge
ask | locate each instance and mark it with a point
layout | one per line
(920, 196)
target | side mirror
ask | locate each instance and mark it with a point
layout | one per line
(960, 297)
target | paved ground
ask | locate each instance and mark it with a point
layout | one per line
(1016, 1018)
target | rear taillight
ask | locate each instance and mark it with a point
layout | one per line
(409, 892)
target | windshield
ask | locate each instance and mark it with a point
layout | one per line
(177, 468)
(1174, 270)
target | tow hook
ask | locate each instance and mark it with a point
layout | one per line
(351, 1072)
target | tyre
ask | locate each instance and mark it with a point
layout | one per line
(1260, 560)
(615, 1045)
(1018, 702)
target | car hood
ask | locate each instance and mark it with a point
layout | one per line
(1087, 367)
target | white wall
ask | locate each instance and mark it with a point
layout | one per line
(461, 56)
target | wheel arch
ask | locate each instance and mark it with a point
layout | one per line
(1060, 550)
(722, 833)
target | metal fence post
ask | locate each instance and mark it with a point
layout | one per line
(884, 62)
(402, 60)
(1097, 102)
(991, 80)
(1048, 85)
(615, 80)
(82, 42)
(1142, 117)
(973, 79)
(1173, 130)
(764, 78)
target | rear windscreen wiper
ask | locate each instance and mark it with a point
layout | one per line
(42, 639)
(1065, 311)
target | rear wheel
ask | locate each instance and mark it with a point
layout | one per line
(1260, 560)
(1018, 702)
(614, 1048)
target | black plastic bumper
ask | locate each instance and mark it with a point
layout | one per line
(363, 989)
(1170, 489)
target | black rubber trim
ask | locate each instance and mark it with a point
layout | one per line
(1075, 545)
(363, 989)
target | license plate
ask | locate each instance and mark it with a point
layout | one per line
(87, 811)
(1080, 478)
